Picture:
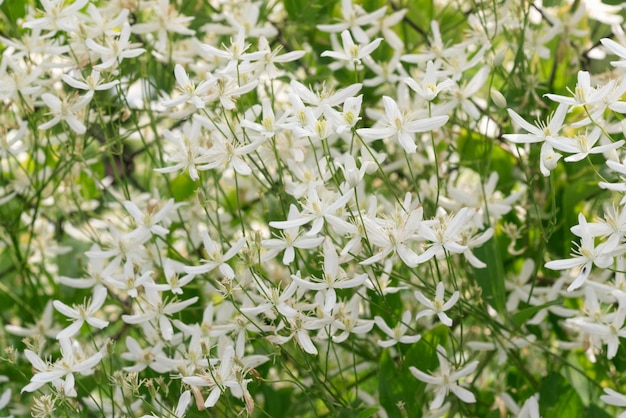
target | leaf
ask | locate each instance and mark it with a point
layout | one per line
(183, 187)
(594, 411)
(557, 398)
(401, 394)
(491, 278)
(277, 401)
(575, 195)
(392, 387)
(366, 413)
(14, 10)
(520, 317)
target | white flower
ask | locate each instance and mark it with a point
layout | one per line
(266, 63)
(189, 152)
(583, 144)
(334, 277)
(586, 255)
(290, 240)
(617, 49)
(395, 236)
(353, 53)
(155, 214)
(429, 88)
(544, 133)
(353, 18)
(91, 83)
(81, 313)
(444, 233)
(397, 334)
(190, 93)
(610, 328)
(319, 211)
(164, 19)
(614, 398)
(445, 380)
(464, 95)
(156, 311)
(58, 15)
(65, 110)
(275, 300)
(43, 327)
(438, 306)
(234, 53)
(151, 356)
(73, 361)
(397, 125)
(115, 50)
(322, 101)
(584, 94)
(215, 258)
(218, 379)
(300, 325)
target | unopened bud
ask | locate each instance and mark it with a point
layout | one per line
(498, 99)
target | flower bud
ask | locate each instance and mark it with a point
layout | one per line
(498, 99)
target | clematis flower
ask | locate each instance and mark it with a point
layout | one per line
(190, 93)
(66, 110)
(353, 53)
(73, 361)
(429, 88)
(115, 50)
(543, 133)
(397, 334)
(586, 255)
(157, 311)
(612, 397)
(81, 313)
(438, 306)
(354, 17)
(215, 258)
(445, 380)
(397, 125)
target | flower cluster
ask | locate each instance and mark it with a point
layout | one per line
(312, 208)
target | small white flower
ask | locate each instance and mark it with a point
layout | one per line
(438, 306)
(614, 398)
(445, 380)
(429, 88)
(352, 52)
(586, 255)
(81, 313)
(66, 110)
(397, 334)
(400, 126)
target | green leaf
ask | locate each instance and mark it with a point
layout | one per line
(520, 317)
(557, 398)
(575, 195)
(366, 413)
(392, 386)
(277, 401)
(183, 187)
(594, 411)
(491, 278)
(14, 10)
(401, 394)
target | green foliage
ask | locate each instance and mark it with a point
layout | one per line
(401, 394)
(491, 280)
(558, 398)
(13, 10)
